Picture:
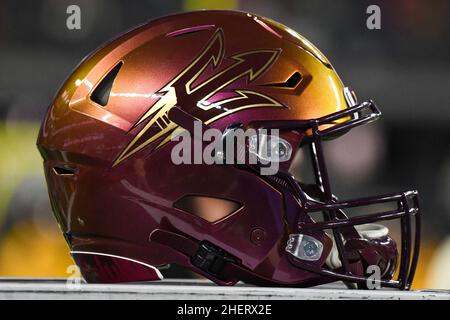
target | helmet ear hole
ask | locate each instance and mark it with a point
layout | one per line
(208, 208)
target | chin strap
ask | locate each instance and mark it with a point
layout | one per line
(367, 231)
(209, 260)
(333, 260)
(216, 264)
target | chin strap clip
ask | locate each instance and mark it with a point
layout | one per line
(211, 259)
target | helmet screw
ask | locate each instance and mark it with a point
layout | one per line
(258, 236)
(310, 248)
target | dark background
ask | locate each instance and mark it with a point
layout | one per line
(404, 67)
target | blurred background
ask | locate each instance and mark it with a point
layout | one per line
(404, 67)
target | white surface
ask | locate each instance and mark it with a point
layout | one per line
(193, 289)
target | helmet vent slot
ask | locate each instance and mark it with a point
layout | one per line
(292, 82)
(63, 171)
(101, 93)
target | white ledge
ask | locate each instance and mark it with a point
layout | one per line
(30, 288)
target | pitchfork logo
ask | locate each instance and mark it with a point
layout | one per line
(208, 89)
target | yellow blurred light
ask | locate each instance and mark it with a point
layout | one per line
(28, 252)
(19, 159)
(190, 5)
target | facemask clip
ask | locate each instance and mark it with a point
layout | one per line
(304, 247)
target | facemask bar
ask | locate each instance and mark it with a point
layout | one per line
(334, 216)
(404, 211)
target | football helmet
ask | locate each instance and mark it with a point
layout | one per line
(126, 209)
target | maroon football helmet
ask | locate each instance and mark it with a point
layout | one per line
(126, 209)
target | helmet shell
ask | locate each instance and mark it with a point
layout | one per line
(109, 201)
